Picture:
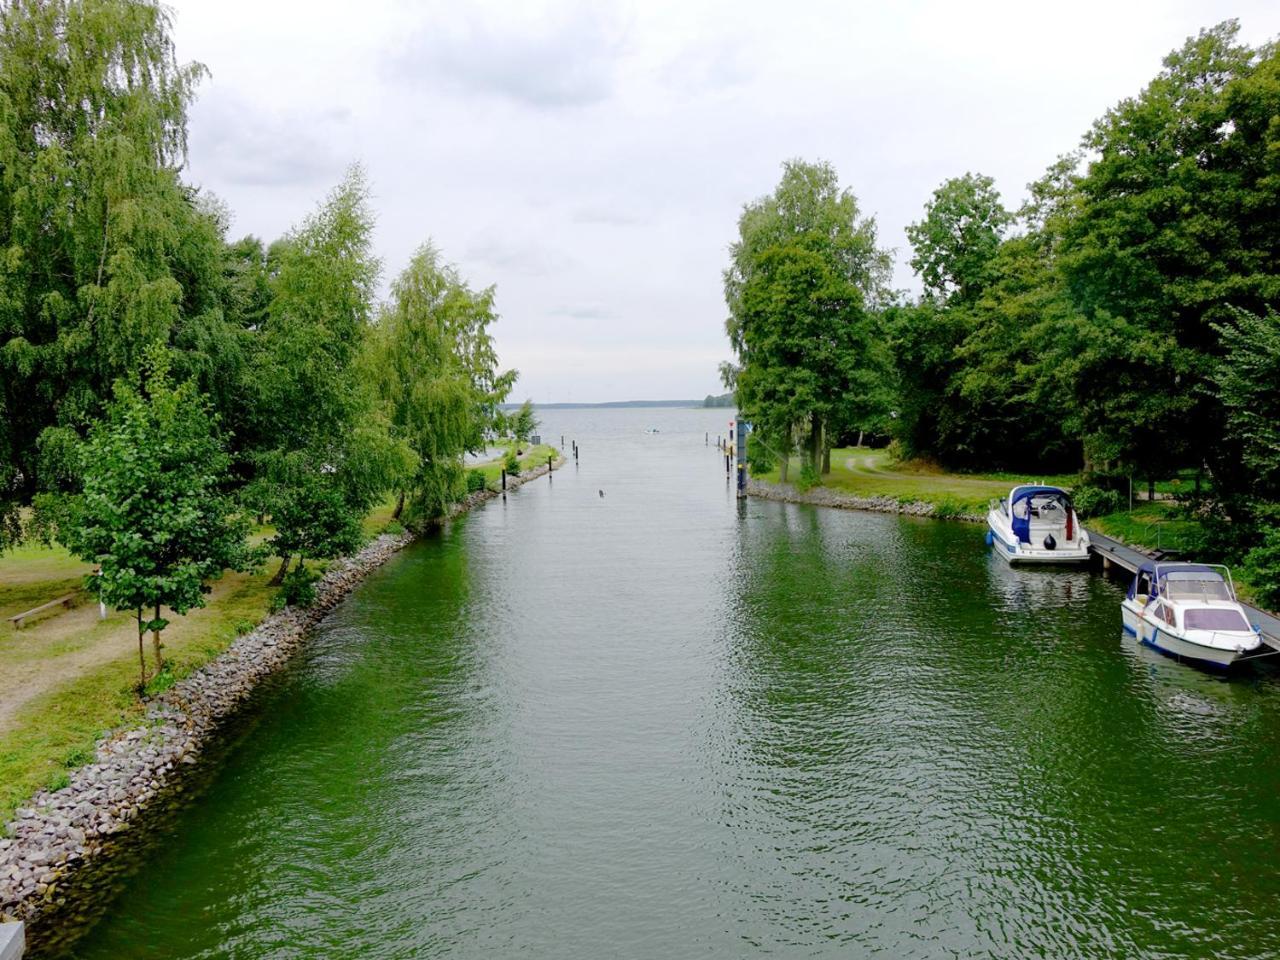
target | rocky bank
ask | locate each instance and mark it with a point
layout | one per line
(826, 497)
(60, 831)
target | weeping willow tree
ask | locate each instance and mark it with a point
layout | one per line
(437, 373)
(104, 250)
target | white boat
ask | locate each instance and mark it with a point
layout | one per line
(1189, 611)
(1037, 524)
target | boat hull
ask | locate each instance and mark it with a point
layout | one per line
(1172, 645)
(1020, 553)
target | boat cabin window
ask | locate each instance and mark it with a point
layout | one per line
(1215, 618)
(1195, 585)
(1165, 613)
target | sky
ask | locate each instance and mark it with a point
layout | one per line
(591, 159)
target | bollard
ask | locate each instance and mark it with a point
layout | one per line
(504, 479)
(726, 463)
(549, 470)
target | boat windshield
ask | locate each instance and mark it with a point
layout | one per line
(1215, 618)
(1195, 585)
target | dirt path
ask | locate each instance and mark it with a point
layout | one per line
(57, 649)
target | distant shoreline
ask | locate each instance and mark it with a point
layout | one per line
(615, 403)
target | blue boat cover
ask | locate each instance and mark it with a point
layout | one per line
(1022, 525)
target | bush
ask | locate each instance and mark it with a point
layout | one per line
(1262, 564)
(1095, 501)
(809, 477)
(298, 588)
(476, 481)
(511, 464)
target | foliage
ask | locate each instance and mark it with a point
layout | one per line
(809, 477)
(1262, 566)
(433, 360)
(524, 423)
(804, 271)
(511, 463)
(1246, 379)
(1093, 501)
(476, 481)
(958, 238)
(298, 589)
(153, 515)
(105, 251)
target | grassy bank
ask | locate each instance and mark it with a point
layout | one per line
(864, 472)
(533, 457)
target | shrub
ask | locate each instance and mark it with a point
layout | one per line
(511, 464)
(809, 477)
(1095, 501)
(1262, 564)
(476, 481)
(298, 588)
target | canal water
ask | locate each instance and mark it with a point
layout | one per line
(622, 715)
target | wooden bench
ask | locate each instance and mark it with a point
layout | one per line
(63, 601)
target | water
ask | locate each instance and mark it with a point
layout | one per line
(659, 723)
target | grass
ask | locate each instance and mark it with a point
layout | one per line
(533, 457)
(864, 472)
(55, 731)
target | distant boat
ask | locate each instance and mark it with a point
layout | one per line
(652, 430)
(1037, 524)
(1189, 611)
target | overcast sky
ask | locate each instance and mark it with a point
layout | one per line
(591, 160)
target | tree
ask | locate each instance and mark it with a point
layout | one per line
(1171, 226)
(804, 269)
(525, 422)
(958, 238)
(105, 251)
(153, 514)
(323, 452)
(433, 359)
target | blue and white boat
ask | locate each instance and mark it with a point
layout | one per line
(1037, 524)
(1189, 611)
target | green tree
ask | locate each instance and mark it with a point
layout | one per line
(957, 240)
(323, 453)
(433, 359)
(1171, 225)
(803, 272)
(153, 514)
(105, 251)
(525, 422)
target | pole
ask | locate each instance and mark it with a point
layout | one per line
(504, 479)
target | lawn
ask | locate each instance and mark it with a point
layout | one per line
(866, 472)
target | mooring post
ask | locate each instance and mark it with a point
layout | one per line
(549, 471)
(504, 479)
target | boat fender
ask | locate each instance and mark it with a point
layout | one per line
(990, 538)
(1050, 543)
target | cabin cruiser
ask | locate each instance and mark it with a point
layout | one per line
(1037, 524)
(1190, 611)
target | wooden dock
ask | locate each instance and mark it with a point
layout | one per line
(1115, 553)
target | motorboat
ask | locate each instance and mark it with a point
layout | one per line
(1037, 524)
(1189, 611)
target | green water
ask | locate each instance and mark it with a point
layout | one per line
(661, 724)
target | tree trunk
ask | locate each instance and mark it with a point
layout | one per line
(279, 577)
(395, 514)
(142, 657)
(815, 443)
(155, 642)
(784, 464)
(1151, 490)
(860, 432)
(826, 453)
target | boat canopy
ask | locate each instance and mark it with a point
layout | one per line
(1020, 519)
(1180, 581)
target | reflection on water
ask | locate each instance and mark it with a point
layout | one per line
(661, 723)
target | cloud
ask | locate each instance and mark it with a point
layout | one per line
(606, 216)
(547, 60)
(240, 143)
(508, 256)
